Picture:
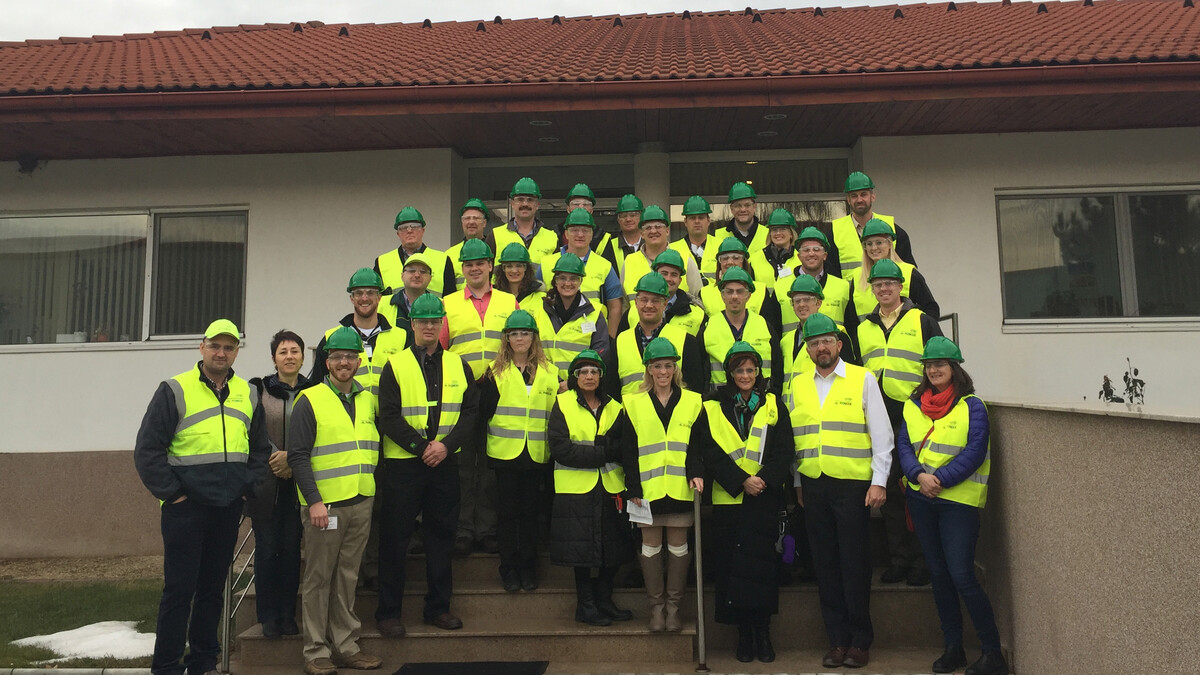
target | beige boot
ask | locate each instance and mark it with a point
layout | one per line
(652, 570)
(677, 571)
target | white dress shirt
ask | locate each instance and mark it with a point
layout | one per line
(879, 425)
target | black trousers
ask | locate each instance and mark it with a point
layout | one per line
(277, 558)
(837, 519)
(198, 543)
(409, 488)
(517, 507)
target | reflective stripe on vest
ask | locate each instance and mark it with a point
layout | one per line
(452, 254)
(345, 451)
(637, 265)
(895, 358)
(410, 378)
(691, 321)
(387, 343)
(837, 297)
(949, 438)
(563, 345)
(595, 272)
(391, 267)
(629, 357)
(210, 431)
(849, 244)
(662, 463)
(718, 338)
(832, 438)
(476, 341)
(747, 454)
(522, 415)
(864, 297)
(714, 304)
(795, 364)
(768, 274)
(543, 244)
(584, 429)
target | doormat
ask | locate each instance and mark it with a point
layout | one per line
(475, 668)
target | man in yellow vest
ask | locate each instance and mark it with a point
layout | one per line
(410, 228)
(581, 197)
(473, 219)
(837, 301)
(696, 241)
(625, 358)
(333, 449)
(844, 448)
(744, 224)
(629, 237)
(380, 338)
(201, 450)
(735, 323)
(600, 284)
(524, 227)
(891, 339)
(655, 226)
(394, 306)
(846, 258)
(427, 404)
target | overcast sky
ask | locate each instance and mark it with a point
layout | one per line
(33, 19)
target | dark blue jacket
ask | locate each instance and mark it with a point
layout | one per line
(964, 464)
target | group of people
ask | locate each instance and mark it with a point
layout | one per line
(535, 373)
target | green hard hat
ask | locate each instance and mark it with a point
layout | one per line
(365, 278)
(581, 190)
(668, 257)
(858, 181)
(525, 186)
(659, 348)
(741, 191)
(732, 245)
(696, 205)
(654, 214)
(474, 249)
(477, 204)
(742, 347)
(736, 274)
(814, 234)
(652, 282)
(876, 227)
(629, 203)
(806, 284)
(520, 320)
(886, 269)
(515, 252)
(818, 325)
(409, 215)
(781, 218)
(580, 217)
(569, 263)
(941, 347)
(587, 356)
(428, 306)
(344, 337)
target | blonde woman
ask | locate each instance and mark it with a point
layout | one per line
(878, 241)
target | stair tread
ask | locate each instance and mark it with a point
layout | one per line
(499, 627)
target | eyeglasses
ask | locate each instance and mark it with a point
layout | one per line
(938, 363)
(514, 266)
(654, 226)
(342, 358)
(409, 227)
(364, 293)
(730, 257)
(417, 269)
(746, 371)
(812, 249)
(522, 199)
(649, 299)
(520, 333)
(805, 299)
(567, 277)
(735, 291)
(218, 348)
(885, 283)
(587, 370)
(826, 341)
(578, 203)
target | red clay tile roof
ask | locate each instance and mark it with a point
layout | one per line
(588, 49)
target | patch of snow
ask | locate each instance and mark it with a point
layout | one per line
(107, 639)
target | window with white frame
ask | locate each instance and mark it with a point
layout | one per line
(1099, 255)
(119, 276)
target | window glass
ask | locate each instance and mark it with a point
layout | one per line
(775, 177)
(199, 271)
(1166, 253)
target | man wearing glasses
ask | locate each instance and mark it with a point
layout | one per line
(744, 223)
(410, 229)
(813, 248)
(523, 226)
(395, 306)
(656, 236)
(380, 338)
(200, 450)
(650, 303)
(736, 323)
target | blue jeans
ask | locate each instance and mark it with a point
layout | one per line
(948, 532)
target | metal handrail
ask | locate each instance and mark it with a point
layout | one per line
(229, 615)
(952, 317)
(701, 667)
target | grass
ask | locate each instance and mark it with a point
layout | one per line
(41, 608)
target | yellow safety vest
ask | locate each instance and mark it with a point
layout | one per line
(209, 431)
(864, 297)
(584, 429)
(543, 244)
(949, 438)
(477, 341)
(837, 297)
(758, 242)
(522, 415)
(345, 451)
(662, 452)
(615, 244)
(637, 265)
(415, 404)
(387, 343)
(794, 366)
(896, 358)
(747, 454)
(718, 338)
(714, 304)
(391, 266)
(767, 274)
(832, 438)
(849, 244)
(595, 271)
(563, 345)
(684, 248)
(690, 321)
(629, 357)
(452, 260)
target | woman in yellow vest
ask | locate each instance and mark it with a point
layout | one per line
(944, 448)
(568, 322)
(588, 530)
(660, 472)
(779, 257)
(877, 244)
(745, 438)
(515, 397)
(515, 274)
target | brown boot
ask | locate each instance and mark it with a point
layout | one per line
(677, 571)
(652, 570)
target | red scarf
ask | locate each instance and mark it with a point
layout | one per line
(937, 406)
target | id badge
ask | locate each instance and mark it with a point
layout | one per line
(332, 523)
(588, 327)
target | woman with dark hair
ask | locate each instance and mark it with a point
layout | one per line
(570, 322)
(514, 274)
(274, 509)
(944, 447)
(745, 437)
(588, 531)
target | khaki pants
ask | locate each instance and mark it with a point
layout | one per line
(331, 559)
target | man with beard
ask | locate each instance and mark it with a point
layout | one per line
(410, 229)
(523, 226)
(846, 258)
(697, 242)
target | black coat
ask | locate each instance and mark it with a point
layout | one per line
(272, 491)
(587, 530)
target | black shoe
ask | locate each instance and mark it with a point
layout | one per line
(603, 590)
(918, 576)
(745, 644)
(511, 580)
(462, 546)
(371, 584)
(272, 630)
(445, 621)
(991, 663)
(529, 580)
(490, 544)
(951, 660)
(762, 642)
(894, 574)
(289, 627)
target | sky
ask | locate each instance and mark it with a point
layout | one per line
(48, 19)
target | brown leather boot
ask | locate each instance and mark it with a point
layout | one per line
(652, 570)
(677, 571)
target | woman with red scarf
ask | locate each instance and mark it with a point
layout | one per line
(944, 453)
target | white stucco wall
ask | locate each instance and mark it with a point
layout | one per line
(942, 191)
(314, 219)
